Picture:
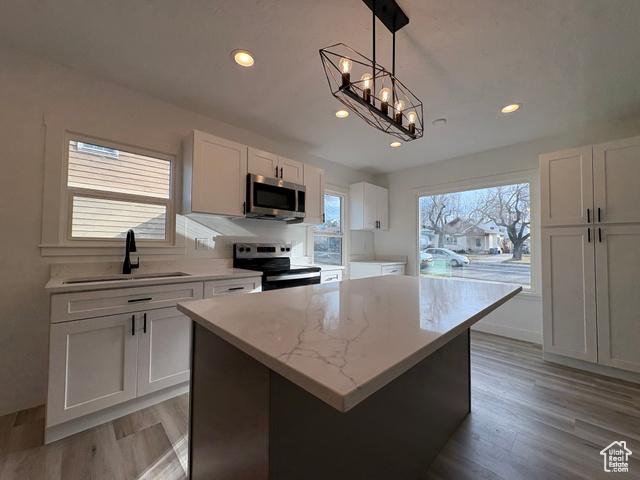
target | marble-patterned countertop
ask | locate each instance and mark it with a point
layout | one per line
(196, 270)
(343, 341)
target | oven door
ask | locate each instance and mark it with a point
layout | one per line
(288, 280)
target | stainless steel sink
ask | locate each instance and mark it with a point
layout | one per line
(120, 278)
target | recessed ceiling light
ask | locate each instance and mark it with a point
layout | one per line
(439, 121)
(395, 144)
(342, 114)
(243, 57)
(511, 107)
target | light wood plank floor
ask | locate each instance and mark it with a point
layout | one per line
(530, 420)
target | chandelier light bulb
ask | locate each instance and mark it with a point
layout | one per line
(367, 80)
(385, 95)
(411, 116)
(345, 65)
(399, 106)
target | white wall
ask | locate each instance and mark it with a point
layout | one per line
(31, 87)
(522, 317)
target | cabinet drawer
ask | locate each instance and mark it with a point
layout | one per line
(229, 287)
(331, 276)
(74, 306)
(393, 270)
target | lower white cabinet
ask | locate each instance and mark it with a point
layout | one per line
(375, 269)
(327, 276)
(213, 288)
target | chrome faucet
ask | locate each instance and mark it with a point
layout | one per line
(130, 246)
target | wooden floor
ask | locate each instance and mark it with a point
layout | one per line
(530, 420)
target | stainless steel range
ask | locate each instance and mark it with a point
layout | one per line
(274, 261)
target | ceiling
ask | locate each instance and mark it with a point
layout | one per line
(569, 62)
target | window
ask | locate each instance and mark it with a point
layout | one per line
(328, 238)
(112, 190)
(491, 227)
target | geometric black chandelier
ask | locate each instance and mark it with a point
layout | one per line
(368, 89)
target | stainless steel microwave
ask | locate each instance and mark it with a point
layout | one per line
(273, 199)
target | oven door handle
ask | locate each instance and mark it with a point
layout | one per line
(293, 276)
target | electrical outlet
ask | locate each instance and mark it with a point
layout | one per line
(202, 243)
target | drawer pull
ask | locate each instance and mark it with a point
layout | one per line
(133, 324)
(144, 325)
(136, 300)
(235, 288)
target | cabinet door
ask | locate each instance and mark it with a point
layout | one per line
(617, 260)
(218, 179)
(291, 170)
(314, 197)
(92, 365)
(616, 175)
(568, 290)
(566, 187)
(382, 208)
(164, 347)
(262, 163)
(369, 204)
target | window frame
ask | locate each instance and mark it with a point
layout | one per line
(69, 193)
(524, 176)
(55, 240)
(344, 194)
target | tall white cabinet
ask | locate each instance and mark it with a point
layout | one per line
(369, 207)
(590, 204)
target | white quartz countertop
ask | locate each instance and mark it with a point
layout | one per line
(343, 341)
(193, 274)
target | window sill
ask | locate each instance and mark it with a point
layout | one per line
(94, 251)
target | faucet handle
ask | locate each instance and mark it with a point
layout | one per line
(137, 264)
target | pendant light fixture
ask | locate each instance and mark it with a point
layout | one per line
(354, 80)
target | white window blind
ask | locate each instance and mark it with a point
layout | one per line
(115, 190)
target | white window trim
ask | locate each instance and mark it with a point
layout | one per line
(344, 193)
(56, 211)
(523, 176)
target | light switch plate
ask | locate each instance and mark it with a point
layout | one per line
(202, 243)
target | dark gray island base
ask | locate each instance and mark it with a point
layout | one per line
(250, 423)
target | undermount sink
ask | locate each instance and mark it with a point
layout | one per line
(119, 278)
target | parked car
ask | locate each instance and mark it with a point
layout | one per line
(448, 256)
(426, 259)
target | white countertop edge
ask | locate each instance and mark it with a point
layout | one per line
(344, 403)
(57, 285)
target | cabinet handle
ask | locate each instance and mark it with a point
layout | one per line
(589, 235)
(323, 220)
(276, 172)
(235, 288)
(136, 300)
(144, 325)
(244, 208)
(588, 216)
(281, 174)
(133, 324)
(599, 215)
(600, 235)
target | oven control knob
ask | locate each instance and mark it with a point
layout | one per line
(282, 249)
(241, 249)
(288, 249)
(248, 249)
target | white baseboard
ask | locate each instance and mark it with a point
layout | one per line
(509, 332)
(62, 430)
(592, 367)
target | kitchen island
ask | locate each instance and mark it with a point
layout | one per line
(362, 379)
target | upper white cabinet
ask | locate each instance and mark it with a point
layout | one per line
(215, 175)
(566, 187)
(616, 181)
(369, 207)
(314, 196)
(274, 166)
(590, 185)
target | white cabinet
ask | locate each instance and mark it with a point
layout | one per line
(215, 175)
(214, 288)
(92, 365)
(314, 196)
(369, 207)
(590, 252)
(374, 269)
(274, 166)
(327, 276)
(164, 346)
